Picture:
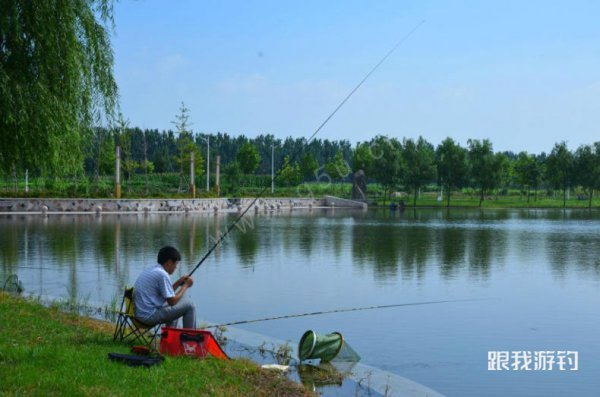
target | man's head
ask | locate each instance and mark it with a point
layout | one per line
(168, 257)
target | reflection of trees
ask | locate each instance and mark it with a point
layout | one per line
(415, 247)
(10, 230)
(62, 242)
(455, 241)
(378, 245)
(452, 250)
(247, 246)
(299, 231)
(485, 245)
(103, 242)
(306, 234)
(567, 249)
(336, 238)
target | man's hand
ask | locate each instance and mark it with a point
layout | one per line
(183, 280)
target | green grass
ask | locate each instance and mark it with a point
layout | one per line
(46, 352)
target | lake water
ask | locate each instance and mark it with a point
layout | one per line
(535, 275)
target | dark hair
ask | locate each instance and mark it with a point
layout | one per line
(167, 253)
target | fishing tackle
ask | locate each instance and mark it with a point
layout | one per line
(355, 309)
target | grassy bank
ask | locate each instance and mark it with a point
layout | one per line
(46, 352)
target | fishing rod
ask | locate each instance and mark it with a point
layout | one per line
(235, 222)
(355, 309)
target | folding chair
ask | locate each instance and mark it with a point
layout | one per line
(130, 329)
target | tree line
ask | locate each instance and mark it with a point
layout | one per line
(407, 164)
(395, 164)
(413, 164)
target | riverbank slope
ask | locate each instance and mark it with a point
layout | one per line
(46, 352)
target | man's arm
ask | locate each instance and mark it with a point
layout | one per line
(185, 283)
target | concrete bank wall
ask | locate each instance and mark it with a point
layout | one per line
(153, 205)
(331, 201)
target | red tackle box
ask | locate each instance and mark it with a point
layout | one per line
(190, 342)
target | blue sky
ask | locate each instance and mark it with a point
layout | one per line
(524, 74)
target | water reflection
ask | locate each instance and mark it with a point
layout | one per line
(247, 244)
(376, 247)
(387, 244)
(452, 255)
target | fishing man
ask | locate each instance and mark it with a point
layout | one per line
(155, 299)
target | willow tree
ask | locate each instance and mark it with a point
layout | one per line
(56, 81)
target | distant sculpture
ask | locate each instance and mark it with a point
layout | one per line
(359, 186)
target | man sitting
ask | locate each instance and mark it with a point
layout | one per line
(153, 289)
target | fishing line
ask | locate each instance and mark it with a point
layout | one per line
(297, 153)
(356, 309)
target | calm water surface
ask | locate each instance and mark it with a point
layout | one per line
(538, 271)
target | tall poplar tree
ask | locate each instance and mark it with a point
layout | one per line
(56, 81)
(452, 166)
(387, 166)
(419, 158)
(486, 167)
(559, 169)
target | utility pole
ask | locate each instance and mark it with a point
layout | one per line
(218, 177)
(192, 175)
(272, 169)
(207, 140)
(207, 163)
(117, 174)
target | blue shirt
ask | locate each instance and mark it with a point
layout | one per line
(151, 290)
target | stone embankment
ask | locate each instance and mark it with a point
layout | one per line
(24, 205)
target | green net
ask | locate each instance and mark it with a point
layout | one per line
(12, 284)
(326, 347)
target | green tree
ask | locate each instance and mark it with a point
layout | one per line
(486, 168)
(106, 154)
(99, 149)
(452, 166)
(308, 166)
(56, 79)
(559, 169)
(387, 165)
(290, 174)
(419, 159)
(527, 172)
(233, 176)
(185, 147)
(336, 167)
(123, 135)
(248, 158)
(587, 169)
(362, 158)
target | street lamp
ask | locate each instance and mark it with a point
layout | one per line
(207, 140)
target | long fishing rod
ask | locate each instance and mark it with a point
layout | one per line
(235, 222)
(356, 309)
